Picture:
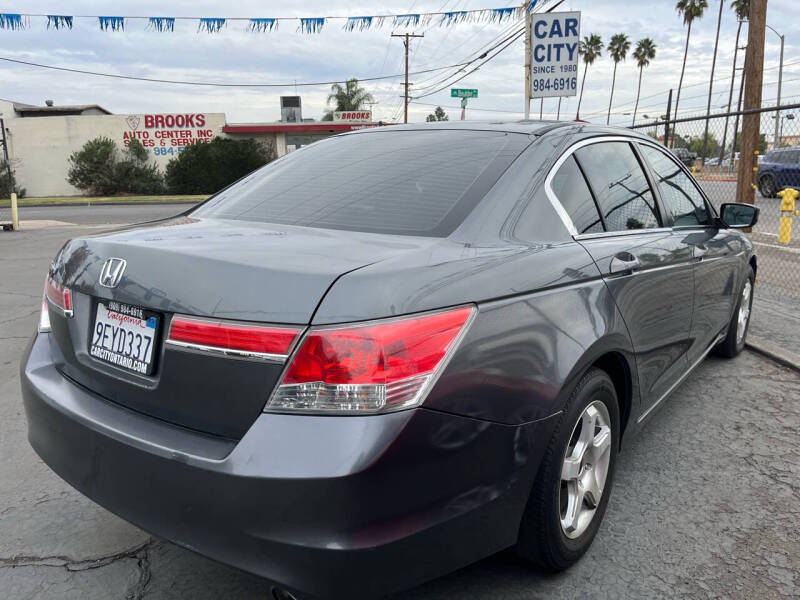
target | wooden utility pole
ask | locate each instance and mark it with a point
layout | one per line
(405, 43)
(753, 78)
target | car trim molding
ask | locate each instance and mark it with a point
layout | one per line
(680, 379)
(276, 358)
(559, 208)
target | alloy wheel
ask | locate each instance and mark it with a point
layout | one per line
(768, 188)
(585, 469)
(744, 312)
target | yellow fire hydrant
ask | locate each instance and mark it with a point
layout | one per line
(788, 198)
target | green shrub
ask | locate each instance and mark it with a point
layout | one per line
(9, 184)
(206, 168)
(101, 170)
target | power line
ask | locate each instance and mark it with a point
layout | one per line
(511, 41)
(217, 84)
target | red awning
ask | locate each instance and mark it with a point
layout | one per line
(317, 127)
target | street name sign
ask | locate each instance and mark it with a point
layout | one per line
(554, 54)
(463, 93)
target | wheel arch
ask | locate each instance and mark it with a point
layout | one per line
(613, 355)
(616, 366)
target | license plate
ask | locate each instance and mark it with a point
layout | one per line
(124, 336)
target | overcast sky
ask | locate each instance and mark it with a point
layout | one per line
(235, 55)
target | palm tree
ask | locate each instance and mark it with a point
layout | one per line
(644, 53)
(347, 97)
(590, 49)
(689, 10)
(618, 49)
(742, 10)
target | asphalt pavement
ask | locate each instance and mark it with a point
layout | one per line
(706, 502)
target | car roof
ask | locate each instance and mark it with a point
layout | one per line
(530, 127)
(785, 149)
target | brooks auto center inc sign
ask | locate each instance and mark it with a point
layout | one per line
(167, 135)
(554, 54)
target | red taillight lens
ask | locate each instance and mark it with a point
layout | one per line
(237, 338)
(58, 295)
(373, 367)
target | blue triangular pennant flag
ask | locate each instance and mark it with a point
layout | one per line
(11, 21)
(162, 23)
(211, 25)
(113, 23)
(312, 24)
(59, 22)
(263, 25)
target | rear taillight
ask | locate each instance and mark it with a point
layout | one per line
(59, 297)
(243, 339)
(374, 367)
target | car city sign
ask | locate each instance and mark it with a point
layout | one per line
(353, 116)
(554, 54)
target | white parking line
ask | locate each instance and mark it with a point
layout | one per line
(784, 248)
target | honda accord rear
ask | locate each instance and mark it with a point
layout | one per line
(373, 361)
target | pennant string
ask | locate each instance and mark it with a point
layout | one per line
(307, 25)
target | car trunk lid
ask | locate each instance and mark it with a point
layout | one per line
(214, 269)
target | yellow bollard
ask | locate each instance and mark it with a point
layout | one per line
(788, 197)
(14, 213)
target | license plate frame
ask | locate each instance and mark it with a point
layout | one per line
(132, 320)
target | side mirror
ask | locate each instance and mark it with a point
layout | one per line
(738, 216)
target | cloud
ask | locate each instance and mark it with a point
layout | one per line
(236, 55)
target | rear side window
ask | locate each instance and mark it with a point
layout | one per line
(681, 196)
(399, 182)
(619, 185)
(569, 186)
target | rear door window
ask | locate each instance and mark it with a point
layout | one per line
(619, 185)
(679, 193)
(400, 182)
(569, 186)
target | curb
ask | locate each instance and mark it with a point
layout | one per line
(775, 353)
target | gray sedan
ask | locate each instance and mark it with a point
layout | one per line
(390, 353)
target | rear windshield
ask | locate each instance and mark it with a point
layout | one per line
(400, 182)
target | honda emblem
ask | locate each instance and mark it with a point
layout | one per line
(111, 273)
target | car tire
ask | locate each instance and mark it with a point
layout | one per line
(551, 535)
(767, 187)
(739, 324)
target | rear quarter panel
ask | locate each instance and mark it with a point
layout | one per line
(544, 315)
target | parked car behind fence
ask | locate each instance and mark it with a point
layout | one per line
(779, 169)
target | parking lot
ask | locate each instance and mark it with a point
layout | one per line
(706, 502)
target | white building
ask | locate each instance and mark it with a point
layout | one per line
(41, 138)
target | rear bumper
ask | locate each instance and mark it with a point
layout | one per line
(325, 506)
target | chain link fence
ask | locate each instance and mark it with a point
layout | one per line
(710, 147)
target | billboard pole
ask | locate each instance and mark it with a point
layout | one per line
(528, 21)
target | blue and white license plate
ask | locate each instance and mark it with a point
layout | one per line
(124, 336)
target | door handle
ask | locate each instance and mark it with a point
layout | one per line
(624, 262)
(700, 250)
